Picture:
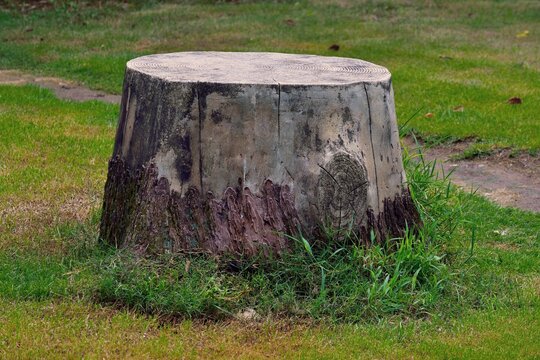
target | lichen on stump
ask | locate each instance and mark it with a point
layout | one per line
(228, 153)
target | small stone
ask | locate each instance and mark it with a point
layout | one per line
(248, 315)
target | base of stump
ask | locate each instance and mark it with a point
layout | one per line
(141, 211)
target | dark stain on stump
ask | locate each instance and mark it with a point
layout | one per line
(350, 135)
(307, 131)
(347, 116)
(318, 140)
(217, 117)
(204, 89)
(184, 161)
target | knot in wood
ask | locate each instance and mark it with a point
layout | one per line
(343, 185)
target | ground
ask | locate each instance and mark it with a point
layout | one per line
(506, 177)
(454, 64)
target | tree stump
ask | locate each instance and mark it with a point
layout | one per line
(229, 152)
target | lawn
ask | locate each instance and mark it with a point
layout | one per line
(53, 163)
(464, 55)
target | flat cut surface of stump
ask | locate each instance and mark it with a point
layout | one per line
(258, 68)
(231, 152)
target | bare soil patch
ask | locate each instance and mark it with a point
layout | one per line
(508, 179)
(62, 89)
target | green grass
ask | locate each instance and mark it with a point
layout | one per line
(443, 55)
(74, 329)
(53, 163)
(70, 143)
(477, 285)
(428, 298)
(476, 150)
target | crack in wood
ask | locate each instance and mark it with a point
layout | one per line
(372, 146)
(200, 112)
(278, 113)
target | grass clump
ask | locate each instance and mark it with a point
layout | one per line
(31, 278)
(182, 286)
(351, 283)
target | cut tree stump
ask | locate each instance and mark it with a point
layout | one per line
(228, 153)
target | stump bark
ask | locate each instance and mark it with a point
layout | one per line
(229, 152)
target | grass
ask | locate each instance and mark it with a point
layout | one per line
(33, 329)
(52, 165)
(428, 298)
(443, 55)
(468, 286)
(352, 285)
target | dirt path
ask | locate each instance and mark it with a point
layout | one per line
(63, 89)
(508, 181)
(512, 181)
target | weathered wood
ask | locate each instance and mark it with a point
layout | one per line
(226, 152)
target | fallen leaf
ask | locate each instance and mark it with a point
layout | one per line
(444, 57)
(522, 34)
(188, 264)
(29, 29)
(459, 108)
(429, 115)
(334, 47)
(290, 22)
(514, 101)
